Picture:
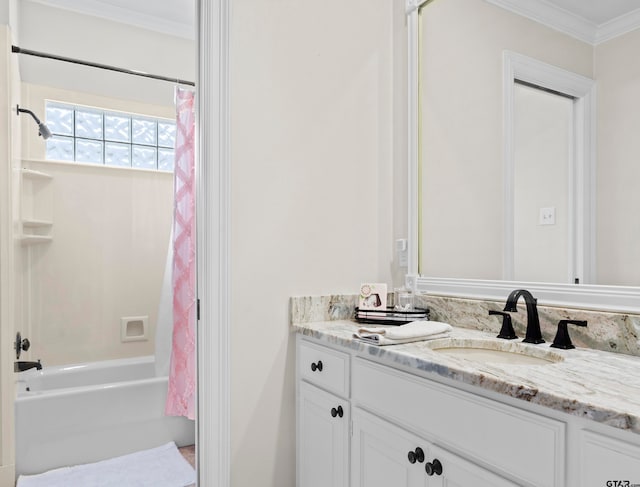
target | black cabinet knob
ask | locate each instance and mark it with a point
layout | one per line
(434, 467)
(316, 366)
(416, 456)
(337, 412)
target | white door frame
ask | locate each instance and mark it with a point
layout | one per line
(7, 259)
(213, 248)
(582, 189)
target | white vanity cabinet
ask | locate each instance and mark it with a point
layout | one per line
(608, 461)
(396, 420)
(323, 416)
(384, 454)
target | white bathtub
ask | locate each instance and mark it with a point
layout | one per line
(83, 413)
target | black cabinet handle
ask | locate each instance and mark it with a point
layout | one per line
(316, 366)
(337, 412)
(416, 456)
(434, 467)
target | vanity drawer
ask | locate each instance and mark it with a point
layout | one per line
(522, 445)
(324, 367)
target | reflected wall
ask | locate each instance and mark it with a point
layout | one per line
(462, 213)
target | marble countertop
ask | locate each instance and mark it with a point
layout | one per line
(600, 386)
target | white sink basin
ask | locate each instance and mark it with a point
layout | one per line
(497, 351)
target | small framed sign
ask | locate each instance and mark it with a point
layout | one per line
(373, 296)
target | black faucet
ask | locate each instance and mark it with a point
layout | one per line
(533, 334)
(21, 366)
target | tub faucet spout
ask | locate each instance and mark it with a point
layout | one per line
(21, 366)
(533, 334)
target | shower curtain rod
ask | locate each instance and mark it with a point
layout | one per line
(29, 52)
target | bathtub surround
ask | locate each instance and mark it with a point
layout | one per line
(105, 262)
(606, 331)
(164, 325)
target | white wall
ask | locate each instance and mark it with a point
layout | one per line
(618, 171)
(312, 94)
(461, 135)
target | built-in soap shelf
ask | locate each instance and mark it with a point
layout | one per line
(37, 202)
(27, 239)
(36, 223)
(33, 174)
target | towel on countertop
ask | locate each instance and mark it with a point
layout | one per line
(163, 466)
(411, 332)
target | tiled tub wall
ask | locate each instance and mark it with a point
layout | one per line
(611, 332)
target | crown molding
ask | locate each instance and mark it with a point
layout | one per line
(618, 26)
(98, 8)
(564, 21)
(551, 16)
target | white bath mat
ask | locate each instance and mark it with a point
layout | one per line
(163, 466)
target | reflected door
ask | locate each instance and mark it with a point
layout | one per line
(543, 165)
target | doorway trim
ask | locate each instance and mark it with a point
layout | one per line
(582, 174)
(213, 243)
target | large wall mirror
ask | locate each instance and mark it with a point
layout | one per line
(519, 181)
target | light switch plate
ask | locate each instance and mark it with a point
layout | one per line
(547, 216)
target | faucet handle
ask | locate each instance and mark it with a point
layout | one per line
(21, 344)
(506, 331)
(562, 339)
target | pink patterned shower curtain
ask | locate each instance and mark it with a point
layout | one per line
(182, 374)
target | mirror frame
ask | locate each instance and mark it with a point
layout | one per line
(583, 296)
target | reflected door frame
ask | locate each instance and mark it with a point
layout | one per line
(582, 173)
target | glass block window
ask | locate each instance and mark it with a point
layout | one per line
(95, 136)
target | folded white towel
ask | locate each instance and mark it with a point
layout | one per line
(411, 332)
(158, 467)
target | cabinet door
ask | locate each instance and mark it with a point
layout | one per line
(608, 462)
(380, 454)
(457, 472)
(380, 458)
(323, 438)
